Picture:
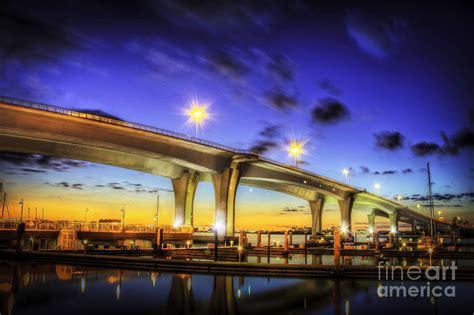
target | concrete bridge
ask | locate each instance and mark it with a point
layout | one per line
(31, 127)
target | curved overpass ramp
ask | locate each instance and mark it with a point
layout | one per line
(30, 127)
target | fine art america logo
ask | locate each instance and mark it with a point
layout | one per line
(415, 273)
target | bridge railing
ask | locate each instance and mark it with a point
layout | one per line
(80, 226)
(78, 113)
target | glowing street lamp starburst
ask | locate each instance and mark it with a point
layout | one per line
(197, 113)
(295, 149)
(345, 172)
(377, 187)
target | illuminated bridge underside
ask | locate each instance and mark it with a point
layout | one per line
(185, 161)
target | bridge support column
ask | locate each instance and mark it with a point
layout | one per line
(345, 206)
(184, 190)
(413, 226)
(393, 222)
(371, 218)
(317, 207)
(225, 189)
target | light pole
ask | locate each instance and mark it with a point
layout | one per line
(21, 210)
(345, 172)
(157, 208)
(85, 215)
(295, 149)
(197, 113)
(123, 218)
(377, 187)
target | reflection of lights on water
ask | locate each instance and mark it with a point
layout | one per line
(249, 289)
(83, 284)
(26, 279)
(238, 293)
(44, 277)
(190, 284)
(153, 279)
(11, 302)
(347, 307)
(117, 292)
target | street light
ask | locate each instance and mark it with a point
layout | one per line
(21, 209)
(377, 187)
(123, 218)
(295, 149)
(345, 172)
(197, 114)
(85, 216)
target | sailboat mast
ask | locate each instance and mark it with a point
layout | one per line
(431, 204)
(157, 207)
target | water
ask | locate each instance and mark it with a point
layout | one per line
(27, 288)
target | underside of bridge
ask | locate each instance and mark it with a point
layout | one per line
(186, 163)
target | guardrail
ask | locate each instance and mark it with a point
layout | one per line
(78, 113)
(45, 225)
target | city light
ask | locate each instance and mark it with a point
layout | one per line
(219, 227)
(377, 187)
(345, 172)
(197, 113)
(295, 150)
(393, 230)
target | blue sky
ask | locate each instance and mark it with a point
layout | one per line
(370, 70)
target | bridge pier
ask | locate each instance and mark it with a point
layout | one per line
(184, 191)
(225, 188)
(317, 207)
(371, 218)
(393, 222)
(345, 206)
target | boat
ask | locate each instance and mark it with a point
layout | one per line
(431, 241)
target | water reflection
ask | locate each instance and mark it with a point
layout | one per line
(54, 289)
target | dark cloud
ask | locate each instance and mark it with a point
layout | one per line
(295, 209)
(389, 140)
(267, 139)
(377, 35)
(66, 185)
(443, 197)
(280, 99)
(32, 170)
(98, 112)
(228, 64)
(364, 169)
(464, 138)
(407, 171)
(133, 187)
(329, 111)
(425, 148)
(448, 147)
(263, 146)
(270, 131)
(28, 38)
(281, 68)
(36, 163)
(390, 172)
(329, 87)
